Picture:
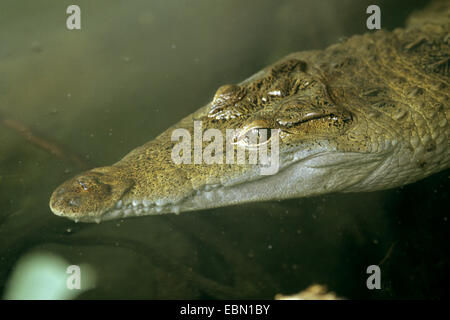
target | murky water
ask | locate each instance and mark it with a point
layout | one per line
(134, 69)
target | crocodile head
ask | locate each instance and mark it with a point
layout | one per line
(367, 114)
(324, 140)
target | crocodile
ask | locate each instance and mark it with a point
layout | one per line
(368, 113)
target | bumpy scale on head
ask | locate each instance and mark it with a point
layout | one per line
(88, 195)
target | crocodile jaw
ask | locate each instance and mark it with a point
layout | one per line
(301, 175)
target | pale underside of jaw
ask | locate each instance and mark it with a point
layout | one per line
(300, 175)
(207, 196)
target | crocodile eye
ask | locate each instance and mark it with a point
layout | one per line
(253, 137)
(224, 102)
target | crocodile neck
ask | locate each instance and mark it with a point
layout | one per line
(367, 114)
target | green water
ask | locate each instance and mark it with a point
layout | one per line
(135, 68)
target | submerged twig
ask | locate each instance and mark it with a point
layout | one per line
(388, 254)
(42, 142)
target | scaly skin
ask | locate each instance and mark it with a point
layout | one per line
(368, 114)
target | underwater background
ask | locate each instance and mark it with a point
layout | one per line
(74, 100)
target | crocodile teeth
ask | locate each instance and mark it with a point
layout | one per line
(147, 203)
(135, 203)
(209, 196)
(161, 202)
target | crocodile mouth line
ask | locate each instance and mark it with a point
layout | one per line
(136, 208)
